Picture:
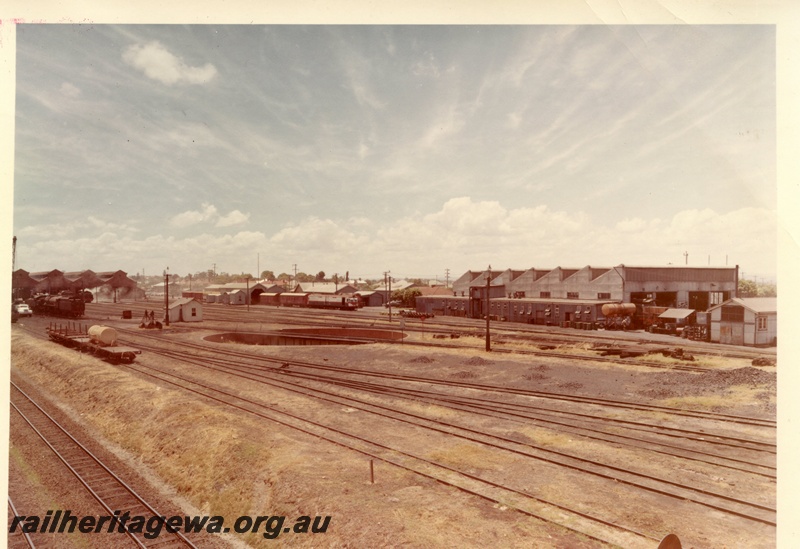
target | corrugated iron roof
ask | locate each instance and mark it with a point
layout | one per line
(676, 313)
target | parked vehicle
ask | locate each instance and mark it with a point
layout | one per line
(23, 309)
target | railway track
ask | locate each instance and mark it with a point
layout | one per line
(106, 487)
(212, 353)
(217, 350)
(492, 401)
(719, 502)
(17, 539)
(447, 325)
(586, 524)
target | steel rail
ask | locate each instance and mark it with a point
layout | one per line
(25, 535)
(578, 464)
(466, 481)
(496, 388)
(93, 462)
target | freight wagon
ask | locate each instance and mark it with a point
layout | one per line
(322, 301)
(100, 341)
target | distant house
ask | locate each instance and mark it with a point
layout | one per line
(749, 321)
(186, 309)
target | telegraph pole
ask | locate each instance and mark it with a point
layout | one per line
(166, 297)
(388, 280)
(488, 280)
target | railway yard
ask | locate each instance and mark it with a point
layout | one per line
(405, 433)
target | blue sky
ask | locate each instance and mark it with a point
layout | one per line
(412, 148)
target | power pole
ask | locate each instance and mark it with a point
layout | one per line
(447, 278)
(488, 280)
(686, 256)
(166, 298)
(387, 283)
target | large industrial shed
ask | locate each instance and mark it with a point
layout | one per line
(749, 321)
(555, 296)
(691, 287)
(25, 284)
(237, 292)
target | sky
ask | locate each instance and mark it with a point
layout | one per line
(415, 149)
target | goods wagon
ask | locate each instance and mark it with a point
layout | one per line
(291, 299)
(321, 301)
(100, 341)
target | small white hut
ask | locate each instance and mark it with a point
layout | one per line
(186, 309)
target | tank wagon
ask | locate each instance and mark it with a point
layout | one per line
(619, 316)
(100, 341)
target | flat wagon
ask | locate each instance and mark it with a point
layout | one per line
(100, 341)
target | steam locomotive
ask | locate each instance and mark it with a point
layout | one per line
(71, 305)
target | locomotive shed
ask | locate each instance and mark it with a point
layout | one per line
(522, 447)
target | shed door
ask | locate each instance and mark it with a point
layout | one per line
(731, 333)
(737, 334)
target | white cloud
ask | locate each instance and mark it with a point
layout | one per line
(158, 63)
(234, 218)
(209, 215)
(463, 234)
(187, 219)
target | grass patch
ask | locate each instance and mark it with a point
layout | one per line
(466, 456)
(698, 402)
